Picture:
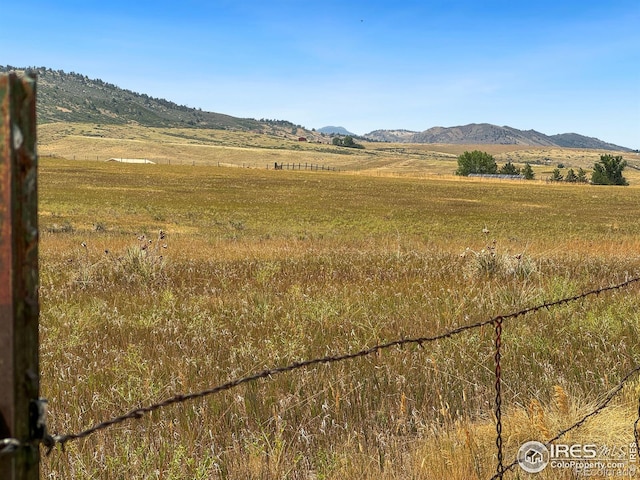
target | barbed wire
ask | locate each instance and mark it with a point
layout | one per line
(51, 440)
(636, 428)
(610, 396)
(10, 445)
(498, 388)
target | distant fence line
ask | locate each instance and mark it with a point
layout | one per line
(499, 176)
(168, 161)
(302, 166)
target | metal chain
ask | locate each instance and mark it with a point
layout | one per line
(498, 411)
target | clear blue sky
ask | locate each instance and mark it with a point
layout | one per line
(553, 66)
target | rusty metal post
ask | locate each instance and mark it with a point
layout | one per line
(20, 426)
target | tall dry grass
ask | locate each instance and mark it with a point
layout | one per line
(261, 269)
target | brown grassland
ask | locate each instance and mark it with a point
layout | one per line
(259, 268)
(223, 148)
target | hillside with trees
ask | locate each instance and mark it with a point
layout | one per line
(72, 97)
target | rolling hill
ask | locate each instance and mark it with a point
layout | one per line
(75, 98)
(487, 134)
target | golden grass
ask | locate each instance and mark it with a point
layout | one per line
(184, 146)
(261, 268)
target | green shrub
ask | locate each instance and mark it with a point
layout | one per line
(476, 162)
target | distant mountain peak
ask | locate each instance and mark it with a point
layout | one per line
(335, 130)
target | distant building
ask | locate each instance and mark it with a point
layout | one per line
(497, 175)
(131, 160)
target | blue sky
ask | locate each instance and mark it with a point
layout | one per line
(552, 66)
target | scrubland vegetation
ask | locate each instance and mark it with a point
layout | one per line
(258, 268)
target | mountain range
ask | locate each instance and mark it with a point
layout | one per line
(485, 133)
(72, 97)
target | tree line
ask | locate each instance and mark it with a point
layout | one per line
(346, 141)
(608, 171)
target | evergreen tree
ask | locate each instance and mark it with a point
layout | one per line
(509, 169)
(527, 172)
(582, 176)
(556, 176)
(571, 176)
(609, 171)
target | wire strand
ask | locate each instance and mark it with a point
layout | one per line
(138, 413)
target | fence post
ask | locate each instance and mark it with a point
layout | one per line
(19, 309)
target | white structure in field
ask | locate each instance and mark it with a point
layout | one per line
(130, 160)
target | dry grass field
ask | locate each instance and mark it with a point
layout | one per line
(219, 147)
(258, 268)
